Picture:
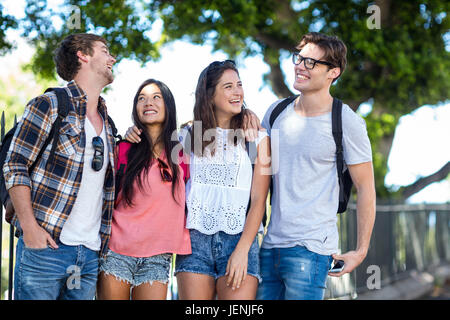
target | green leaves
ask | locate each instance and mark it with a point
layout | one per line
(399, 67)
(6, 22)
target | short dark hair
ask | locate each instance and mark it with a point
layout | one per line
(335, 50)
(65, 57)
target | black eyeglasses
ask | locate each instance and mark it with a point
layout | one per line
(164, 171)
(310, 63)
(97, 160)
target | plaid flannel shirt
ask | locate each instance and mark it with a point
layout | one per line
(54, 187)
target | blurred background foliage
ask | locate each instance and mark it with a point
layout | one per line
(397, 67)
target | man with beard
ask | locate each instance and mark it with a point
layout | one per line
(63, 208)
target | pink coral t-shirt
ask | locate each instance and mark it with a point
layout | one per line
(155, 224)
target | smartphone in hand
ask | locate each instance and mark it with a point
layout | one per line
(337, 266)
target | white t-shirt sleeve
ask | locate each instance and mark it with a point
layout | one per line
(355, 141)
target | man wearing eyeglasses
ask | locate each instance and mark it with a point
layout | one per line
(302, 237)
(63, 208)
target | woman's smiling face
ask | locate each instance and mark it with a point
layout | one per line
(229, 94)
(150, 106)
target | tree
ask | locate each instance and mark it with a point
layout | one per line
(6, 22)
(397, 67)
(16, 90)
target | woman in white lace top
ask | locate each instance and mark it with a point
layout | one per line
(225, 251)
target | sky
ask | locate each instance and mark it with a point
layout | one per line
(420, 144)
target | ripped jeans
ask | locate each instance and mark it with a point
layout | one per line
(137, 271)
(293, 274)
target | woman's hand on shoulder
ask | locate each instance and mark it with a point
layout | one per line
(133, 134)
(251, 125)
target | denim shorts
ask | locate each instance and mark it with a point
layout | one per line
(137, 271)
(210, 254)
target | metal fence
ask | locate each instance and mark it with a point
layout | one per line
(6, 288)
(405, 238)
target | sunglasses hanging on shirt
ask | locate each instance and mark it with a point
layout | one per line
(97, 160)
(164, 170)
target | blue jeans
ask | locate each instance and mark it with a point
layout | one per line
(66, 273)
(293, 274)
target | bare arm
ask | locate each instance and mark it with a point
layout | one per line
(363, 180)
(33, 130)
(238, 262)
(251, 125)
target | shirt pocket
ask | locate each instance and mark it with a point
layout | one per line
(69, 139)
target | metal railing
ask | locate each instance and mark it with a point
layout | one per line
(405, 238)
(11, 241)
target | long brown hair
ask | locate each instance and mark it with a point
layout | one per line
(140, 155)
(204, 106)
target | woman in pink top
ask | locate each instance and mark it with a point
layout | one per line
(149, 218)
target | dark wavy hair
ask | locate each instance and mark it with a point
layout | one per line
(65, 56)
(140, 155)
(204, 106)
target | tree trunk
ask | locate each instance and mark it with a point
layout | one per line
(276, 77)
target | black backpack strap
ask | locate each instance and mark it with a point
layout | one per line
(273, 116)
(114, 129)
(279, 108)
(336, 125)
(63, 110)
(252, 153)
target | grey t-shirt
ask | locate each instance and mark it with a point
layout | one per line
(306, 191)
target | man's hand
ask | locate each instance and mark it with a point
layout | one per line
(133, 134)
(38, 238)
(34, 236)
(351, 259)
(251, 125)
(362, 176)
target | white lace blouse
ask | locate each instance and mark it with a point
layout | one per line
(218, 191)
